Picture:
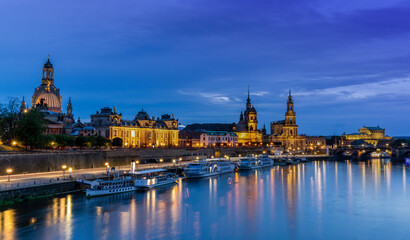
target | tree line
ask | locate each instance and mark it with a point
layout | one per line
(28, 128)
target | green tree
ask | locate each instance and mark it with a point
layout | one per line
(117, 142)
(48, 141)
(30, 128)
(71, 141)
(81, 141)
(101, 141)
(91, 142)
(9, 116)
(61, 141)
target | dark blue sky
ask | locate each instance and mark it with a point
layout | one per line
(347, 62)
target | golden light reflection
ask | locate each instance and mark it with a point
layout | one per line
(363, 172)
(404, 178)
(376, 170)
(7, 225)
(349, 184)
(387, 171)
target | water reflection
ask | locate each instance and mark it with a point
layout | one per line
(313, 199)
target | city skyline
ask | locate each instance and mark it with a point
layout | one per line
(197, 62)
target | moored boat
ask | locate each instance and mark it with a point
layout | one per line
(265, 160)
(207, 168)
(107, 187)
(153, 178)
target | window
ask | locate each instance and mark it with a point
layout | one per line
(133, 133)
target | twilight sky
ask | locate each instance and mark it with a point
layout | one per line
(347, 62)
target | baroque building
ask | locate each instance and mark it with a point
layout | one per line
(48, 100)
(247, 127)
(285, 133)
(372, 135)
(142, 131)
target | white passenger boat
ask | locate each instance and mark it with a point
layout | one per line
(249, 163)
(225, 166)
(208, 168)
(107, 187)
(266, 161)
(258, 162)
(153, 178)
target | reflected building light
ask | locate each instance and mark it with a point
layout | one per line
(7, 225)
(404, 178)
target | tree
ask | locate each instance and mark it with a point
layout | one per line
(61, 140)
(30, 128)
(117, 142)
(9, 116)
(70, 141)
(91, 142)
(81, 141)
(101, 141)
(48, 141)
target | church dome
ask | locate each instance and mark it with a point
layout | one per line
(50, 99)
(142, 115)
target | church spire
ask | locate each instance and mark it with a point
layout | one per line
(23, 106)
(69, 108)
(248, 101)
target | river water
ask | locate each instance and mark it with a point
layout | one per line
(316, 200)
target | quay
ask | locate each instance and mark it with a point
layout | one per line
(44, 184)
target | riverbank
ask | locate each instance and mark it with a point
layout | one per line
(27, 162)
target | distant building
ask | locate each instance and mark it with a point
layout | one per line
(315, 143)
(247, 127)
(218, 138)
(143, 131)
(189, 139)
(372, 135)
(48, 100)
(199, 137)
(285, 133)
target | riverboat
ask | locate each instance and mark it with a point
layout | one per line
(253, 163)
(107, 187)
(208, 168)
(153, 178)
(265, 160)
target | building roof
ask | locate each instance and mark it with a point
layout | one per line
(219, 133)
(374, 128)
(200, 127)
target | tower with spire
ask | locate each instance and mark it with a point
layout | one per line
(23, 106)
(285, 132)
(247, 127)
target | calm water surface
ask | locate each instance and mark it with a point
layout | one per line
(317, 200)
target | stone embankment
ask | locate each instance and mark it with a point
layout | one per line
(52, 161)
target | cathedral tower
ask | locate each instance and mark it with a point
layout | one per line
(290, 129)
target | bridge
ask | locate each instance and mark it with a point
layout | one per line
(364, 153)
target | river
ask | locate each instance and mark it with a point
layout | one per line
(315, 200)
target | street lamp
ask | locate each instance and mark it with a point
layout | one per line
(14, 143)
(9, 171)
(70, 170)
(64, 167)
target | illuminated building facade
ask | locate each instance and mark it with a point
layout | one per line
(143, 131)
(285, 133)
(247, 127)
(218, 138)
(372, 135)
(48, 100)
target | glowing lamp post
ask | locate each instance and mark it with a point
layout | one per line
(9, 171)
(70, 170)
(14, 143)
(64, 167)
(107, 165)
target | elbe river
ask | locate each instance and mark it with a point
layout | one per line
(315, 200)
